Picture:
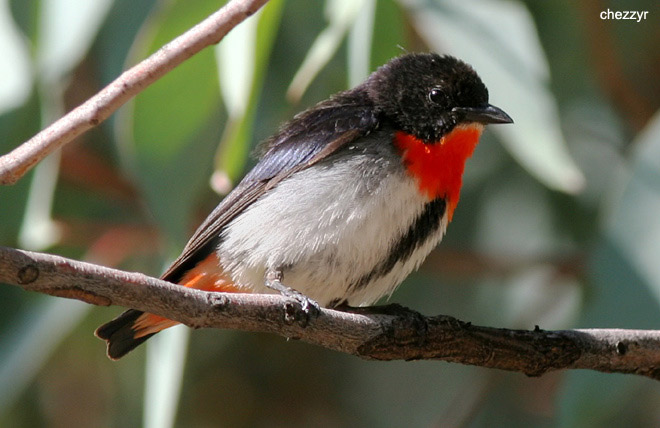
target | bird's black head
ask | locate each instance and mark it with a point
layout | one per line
(427, 95)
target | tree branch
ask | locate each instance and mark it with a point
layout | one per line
(379, 333)
(98, 108)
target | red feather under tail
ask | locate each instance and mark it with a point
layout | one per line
(133, 327)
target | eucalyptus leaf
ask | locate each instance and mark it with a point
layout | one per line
(242, 59)
(624, 275)
(634, 214)
(66, 30)
(15, 126)
(618, 298)
(359, 43)
(16, 70)
(32, 341)
(389, 32)
(499, 40)
(340, 14)
(166, 357)
(236, 66)
(168, 132)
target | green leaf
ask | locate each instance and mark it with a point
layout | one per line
(619, 298)
(66, 30)
(26, 14)
(249, 45)
(388, 33)
(32, 341)
(16, 126)
(166, 357)
(634, 221)
(340, 15)
(624, 273)
(360, 39)
(16, 71)
(117, 36)
(170, 129)
(39, 231)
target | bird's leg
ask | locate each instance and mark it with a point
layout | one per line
(273, 281)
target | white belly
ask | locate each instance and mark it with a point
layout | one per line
(329, 227)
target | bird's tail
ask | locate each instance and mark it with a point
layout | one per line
(133, 327)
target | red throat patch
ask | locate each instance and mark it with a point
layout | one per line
(438, 167)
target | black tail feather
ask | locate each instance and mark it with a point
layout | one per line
(119, 334)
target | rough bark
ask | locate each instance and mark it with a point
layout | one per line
(379, 333)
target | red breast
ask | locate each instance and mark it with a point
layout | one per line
(438, 167)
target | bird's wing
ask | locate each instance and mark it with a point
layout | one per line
(310, 137)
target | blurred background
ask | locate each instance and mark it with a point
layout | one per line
(558, 225)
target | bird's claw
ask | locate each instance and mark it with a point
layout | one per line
(309, 307)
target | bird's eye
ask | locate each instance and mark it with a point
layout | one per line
(436, 96)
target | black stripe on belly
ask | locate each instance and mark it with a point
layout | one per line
(427, 223)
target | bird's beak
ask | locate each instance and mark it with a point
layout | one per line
(487, 114)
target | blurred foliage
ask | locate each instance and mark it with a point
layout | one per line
(558, 224)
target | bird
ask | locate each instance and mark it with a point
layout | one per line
(346, 200)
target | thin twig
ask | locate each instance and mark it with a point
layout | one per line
(380, 333)
(98, 108)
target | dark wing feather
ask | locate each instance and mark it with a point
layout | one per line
(310, 137)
